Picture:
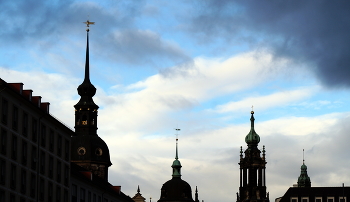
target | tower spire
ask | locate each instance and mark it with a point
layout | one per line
(176, 163)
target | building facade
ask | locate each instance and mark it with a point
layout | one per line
(252, 169)
(35, 148)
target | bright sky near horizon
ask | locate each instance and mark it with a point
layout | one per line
(199, 66)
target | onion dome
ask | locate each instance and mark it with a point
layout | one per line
(252, 137)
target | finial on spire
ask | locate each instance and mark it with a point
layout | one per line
(303, 158)
(138, 188)
(177, 138)
(88, 23)
(252, 112)
(252, 119)
(150, 199)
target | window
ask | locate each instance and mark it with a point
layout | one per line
(23, 181)
(12, 198)
(89, 196)
(330, 199)
(318, 199)
(14, 147)
(3, 141)
(34, 157)
(66, 175)
(42, 189)
(51, 141)
(65, 196)
(50, 194)
(294, 199)
(2, 172)
(14, 118)
(42, 162)
(74, 193)
(342, 199)
(59, 146)
(58, 177)
(24, 152)
(43, 135)
(58, 193)
(34, 130)
(50, 167)
(66, 150)
(82, 195)
(13, 176)
(2, 195)
(32, 185)
(94, 198)
(305, 199)
(4, 111)
(25, 125)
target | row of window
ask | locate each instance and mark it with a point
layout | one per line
(47, 136)
(12, 141)
(318, 199)
(54, 194)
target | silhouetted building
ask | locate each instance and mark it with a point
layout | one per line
(35, 148)
(315, 194)
(303, 192)
(138, 196)
(252, 169)
(176, 189)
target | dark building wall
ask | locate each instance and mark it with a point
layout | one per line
(34, 148)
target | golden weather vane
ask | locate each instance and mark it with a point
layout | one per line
(88, 23)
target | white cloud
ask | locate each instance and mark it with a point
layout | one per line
(276, 99)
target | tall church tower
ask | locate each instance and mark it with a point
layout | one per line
(252, 170)
(88, 150)
(304, 179)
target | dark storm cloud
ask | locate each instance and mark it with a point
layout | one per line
(45, 25)
(139, 47)
(316, 32)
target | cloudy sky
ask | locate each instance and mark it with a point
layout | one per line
(198, 66)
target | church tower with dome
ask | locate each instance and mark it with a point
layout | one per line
(88, 150)
(252, 169)
(304, 179)
(176, 189)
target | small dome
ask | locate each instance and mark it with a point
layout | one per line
(176, 163)
(303, 167)
(176, 189)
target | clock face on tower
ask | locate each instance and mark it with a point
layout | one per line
(98, 152)
(81, 151)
